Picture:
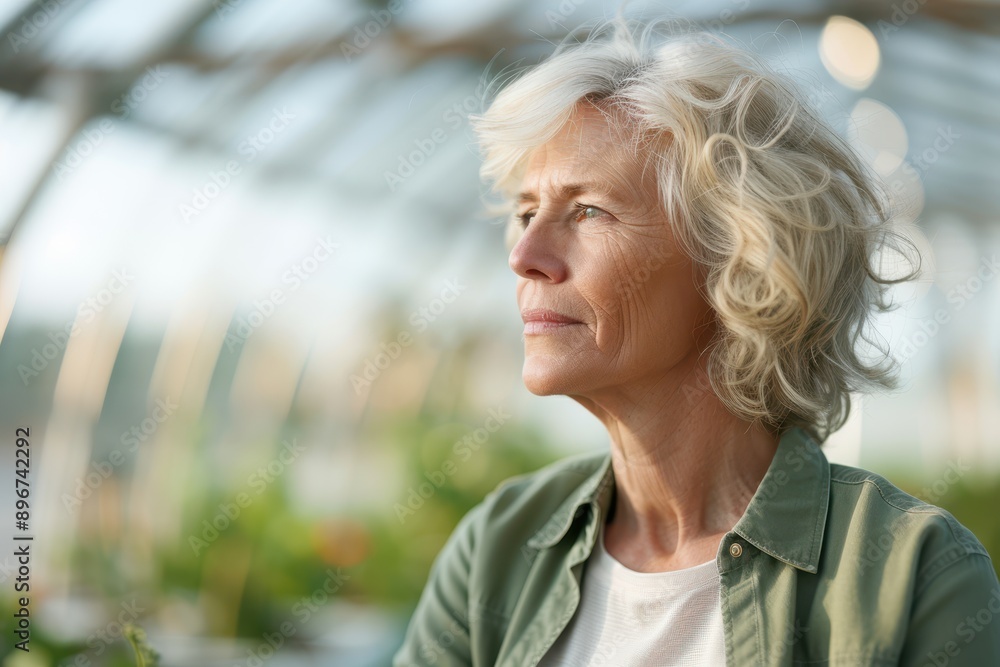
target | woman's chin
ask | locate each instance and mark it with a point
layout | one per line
(547, 379)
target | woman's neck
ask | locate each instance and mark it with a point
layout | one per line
(685, 470)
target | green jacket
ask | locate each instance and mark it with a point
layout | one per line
(829, 565)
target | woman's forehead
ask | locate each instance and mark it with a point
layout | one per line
(591, 151)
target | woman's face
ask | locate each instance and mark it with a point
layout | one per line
(597, 251)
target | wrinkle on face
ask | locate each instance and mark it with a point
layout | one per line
(639, 322)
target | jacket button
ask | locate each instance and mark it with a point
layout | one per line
(735, 550)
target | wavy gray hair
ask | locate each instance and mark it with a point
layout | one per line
(783, 219)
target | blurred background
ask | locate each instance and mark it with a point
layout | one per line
(263, 335)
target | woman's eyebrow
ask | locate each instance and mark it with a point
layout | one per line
(568, 190)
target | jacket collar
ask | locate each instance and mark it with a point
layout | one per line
(595, 493)
(785, 518)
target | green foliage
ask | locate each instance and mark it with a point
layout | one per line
(266, 566)
(145, 655)
(446, 473)
(131, 649)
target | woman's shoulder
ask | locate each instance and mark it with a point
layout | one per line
(872, 517)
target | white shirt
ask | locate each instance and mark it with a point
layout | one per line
(648, 619)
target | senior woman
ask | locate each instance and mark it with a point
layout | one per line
(696, 257)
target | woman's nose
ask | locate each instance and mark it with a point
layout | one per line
(538, 254)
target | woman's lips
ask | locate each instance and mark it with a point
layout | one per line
(540, 320)
(538, 327)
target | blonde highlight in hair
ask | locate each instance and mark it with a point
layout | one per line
(781, 216)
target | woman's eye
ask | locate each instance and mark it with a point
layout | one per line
(588, 212)
(584, 212)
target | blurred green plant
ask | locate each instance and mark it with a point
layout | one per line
(131, 649)
(145, 655)
(261, 569)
